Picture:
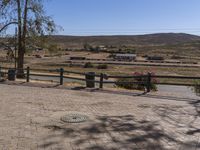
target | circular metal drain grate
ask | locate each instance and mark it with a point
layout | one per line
(74, 118)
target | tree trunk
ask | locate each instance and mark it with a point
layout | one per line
(22, 40)
(20, 63)
(20, 60)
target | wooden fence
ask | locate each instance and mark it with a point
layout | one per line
(102, 79)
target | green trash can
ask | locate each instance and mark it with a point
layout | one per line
(11, 74)
(90, 79)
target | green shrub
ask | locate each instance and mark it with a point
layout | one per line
(102, 66)
(196, 87)
(127, 83)
(2, 74)
(88, 65)
(52, 48)
(153, 87)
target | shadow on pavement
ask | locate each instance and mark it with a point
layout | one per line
(115, 132)
(149, 95)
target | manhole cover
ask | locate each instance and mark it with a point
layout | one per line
(74, 118)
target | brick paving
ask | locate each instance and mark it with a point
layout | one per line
(30, 119)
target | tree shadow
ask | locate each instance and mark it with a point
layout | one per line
(114, 132)
(150, 95)
(184, 118)
(195, 129)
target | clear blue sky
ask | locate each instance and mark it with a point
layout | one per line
(110, 17)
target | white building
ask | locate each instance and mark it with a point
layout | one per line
(125, 57)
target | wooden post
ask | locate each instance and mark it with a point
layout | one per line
(101, 81)
(90, 79)
(0, 73)
(27, 74)
(61, 76)
(148, 82)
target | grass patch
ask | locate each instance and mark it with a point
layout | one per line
(102, 66)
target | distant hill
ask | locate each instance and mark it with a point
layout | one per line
(129, 40)
(164, 44)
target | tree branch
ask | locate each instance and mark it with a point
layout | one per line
(5, 26)
(7, 46)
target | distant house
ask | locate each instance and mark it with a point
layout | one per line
(77, 58)
(156, 58)
(9, 48)
(38, 49)
(125, 57)
(102, 47)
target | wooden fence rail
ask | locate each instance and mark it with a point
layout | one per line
(62, 74)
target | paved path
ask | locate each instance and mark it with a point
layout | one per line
(30, 119)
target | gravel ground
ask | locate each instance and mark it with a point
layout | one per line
(30, 119)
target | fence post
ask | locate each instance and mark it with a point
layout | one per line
(27, 74)
(0, 73)
(101, 81)
(148, 82)
(61, 76)
(90, 79)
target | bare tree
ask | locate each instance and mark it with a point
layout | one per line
(31, 20)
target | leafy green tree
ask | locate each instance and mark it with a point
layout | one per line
(30, 19)
(53, 48)
(86, 46)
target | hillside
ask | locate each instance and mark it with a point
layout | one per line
(165, 44)
(128, 40)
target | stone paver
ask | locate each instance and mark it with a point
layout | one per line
(30, 119)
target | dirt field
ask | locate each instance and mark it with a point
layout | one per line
(30, 119)
(56, 62)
